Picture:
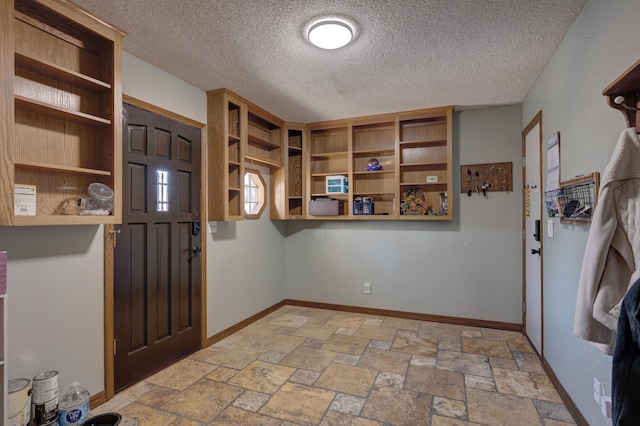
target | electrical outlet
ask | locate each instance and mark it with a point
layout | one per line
(597, 390)
(367, 288)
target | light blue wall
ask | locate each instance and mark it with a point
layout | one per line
(597, 49)
(245, 262)
(470, 267)
(55, 299)
(157, 87)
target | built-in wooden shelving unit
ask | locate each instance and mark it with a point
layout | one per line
(413, 148)
(61, 109)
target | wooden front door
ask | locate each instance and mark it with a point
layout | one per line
(157, 278)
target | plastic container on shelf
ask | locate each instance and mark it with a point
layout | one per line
(99, 201)
(73, 408)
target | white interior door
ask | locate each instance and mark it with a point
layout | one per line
(532, 306)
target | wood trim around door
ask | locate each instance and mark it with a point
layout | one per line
(108, 311)
(109, 244)
(537, 120)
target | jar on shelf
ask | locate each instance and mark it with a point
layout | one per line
(99, 202)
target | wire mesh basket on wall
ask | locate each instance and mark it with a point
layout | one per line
(575, 201)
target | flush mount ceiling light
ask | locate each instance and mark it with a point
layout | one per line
(330, 34)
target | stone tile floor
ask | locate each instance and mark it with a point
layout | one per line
(304, 366)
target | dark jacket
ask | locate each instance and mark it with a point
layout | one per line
(625, 378)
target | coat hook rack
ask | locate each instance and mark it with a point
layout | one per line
(485, 178)
(620, 100)
(623, 94)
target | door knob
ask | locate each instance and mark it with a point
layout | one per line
(538, 252)
(195, 252)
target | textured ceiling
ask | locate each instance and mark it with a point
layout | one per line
(407, 54)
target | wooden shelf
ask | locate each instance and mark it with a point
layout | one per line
(62, 169)
(264, 137)
(378, 194)
(226, 139)
(255, 140)
(423, 143)
(421, 217)
(375, 172)
(330, 154)
(331, 195)
(389, 151)
(419, 118)
(422, 183)
(373, 217)
(290, 181)
(425, 165)
(45, 220)
(264, 161)
(42, 66)
(328, 174)
(61, 113)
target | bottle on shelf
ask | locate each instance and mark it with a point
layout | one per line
(74, 406)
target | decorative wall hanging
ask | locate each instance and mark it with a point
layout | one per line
(413, 202)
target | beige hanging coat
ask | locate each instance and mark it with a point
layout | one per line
(612, 254)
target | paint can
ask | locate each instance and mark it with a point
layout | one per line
(45, 399)
(19, 402)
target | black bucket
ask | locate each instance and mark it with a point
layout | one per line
(107, 419)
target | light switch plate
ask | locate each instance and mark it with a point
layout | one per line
(550, 228)
(605, 406)
(213, 227)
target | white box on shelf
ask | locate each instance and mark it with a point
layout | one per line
(432, 179)
(337, 184)
(24, 200)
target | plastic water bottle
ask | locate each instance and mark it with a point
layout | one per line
(74, 406)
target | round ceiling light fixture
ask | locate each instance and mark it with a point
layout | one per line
(330, 34)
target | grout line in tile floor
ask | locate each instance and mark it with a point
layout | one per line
(308, 366)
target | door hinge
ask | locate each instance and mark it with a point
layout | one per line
(115, 346)
(114, 233)
(524, 307)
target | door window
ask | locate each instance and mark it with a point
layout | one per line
(163, 191)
